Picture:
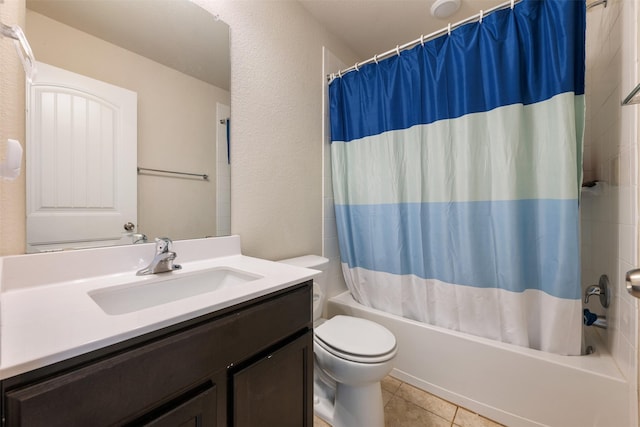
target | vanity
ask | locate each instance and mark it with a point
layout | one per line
(239, 354)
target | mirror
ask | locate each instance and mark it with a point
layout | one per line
(174, 56)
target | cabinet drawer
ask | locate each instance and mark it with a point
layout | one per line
(132, 383)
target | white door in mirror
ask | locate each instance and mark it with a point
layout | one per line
(81, 162)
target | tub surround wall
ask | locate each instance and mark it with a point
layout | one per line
(609, 213)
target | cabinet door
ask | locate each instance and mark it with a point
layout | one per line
(276, 390)
(120, 388)
(196, 411)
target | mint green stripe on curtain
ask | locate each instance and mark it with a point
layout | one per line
(509, 153)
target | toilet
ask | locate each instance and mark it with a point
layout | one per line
(351, 356)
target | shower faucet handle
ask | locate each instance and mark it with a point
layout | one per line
(601, 289)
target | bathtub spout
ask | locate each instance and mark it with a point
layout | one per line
(592, 319)
(600, 323)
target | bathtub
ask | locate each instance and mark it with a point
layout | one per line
(513, 385)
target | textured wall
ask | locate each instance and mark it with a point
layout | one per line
(12, 193)
(276, 110)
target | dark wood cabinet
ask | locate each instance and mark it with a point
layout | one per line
(276, 384)
(249, 365)
(193, 410)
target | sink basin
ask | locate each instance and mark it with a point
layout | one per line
(168, 287)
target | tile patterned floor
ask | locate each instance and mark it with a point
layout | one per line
(407, 406)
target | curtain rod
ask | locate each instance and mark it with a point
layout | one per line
(422, 39)
(447, 29)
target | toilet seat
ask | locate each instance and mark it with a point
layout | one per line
(356, 339)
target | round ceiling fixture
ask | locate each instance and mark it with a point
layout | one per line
(444, 8)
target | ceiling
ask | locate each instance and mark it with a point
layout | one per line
(177, 34)
(370, 27)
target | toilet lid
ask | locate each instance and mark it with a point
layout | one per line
(355, 336)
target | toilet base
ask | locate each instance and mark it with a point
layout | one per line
(359, 405)
(324, 394)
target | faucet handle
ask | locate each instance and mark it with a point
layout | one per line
(602, 289)
(163, 244)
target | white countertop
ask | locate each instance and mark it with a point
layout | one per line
(44, 323)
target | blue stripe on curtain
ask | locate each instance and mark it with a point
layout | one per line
(522, 56)
(512, 245)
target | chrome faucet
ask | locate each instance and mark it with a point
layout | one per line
(163, 261)
(602, 290)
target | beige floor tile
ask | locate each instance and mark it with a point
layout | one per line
(386, 397)
(465, 418)
(318, 422)
(400, 413)
(390, 384)
(427, 401)
(408, 406)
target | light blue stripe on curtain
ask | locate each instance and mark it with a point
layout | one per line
(512, 245)
(503, 154)
(457, 169)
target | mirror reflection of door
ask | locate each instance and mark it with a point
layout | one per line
(81, 138)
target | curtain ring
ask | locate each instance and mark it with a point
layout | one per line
(398, 49)
(375, 58)
(356, 67)
(422, 40)
(340, 73)
(449, 29)
(481, 15)
(513, 3)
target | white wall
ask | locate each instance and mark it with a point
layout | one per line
(276, 126)
(12, 125)
(609, 213)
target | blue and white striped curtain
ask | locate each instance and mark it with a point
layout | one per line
(456, 176)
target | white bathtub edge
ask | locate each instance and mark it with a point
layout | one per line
(503, 382)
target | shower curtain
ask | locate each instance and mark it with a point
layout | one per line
(456, 175)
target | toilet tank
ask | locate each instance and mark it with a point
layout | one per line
(315, 262)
